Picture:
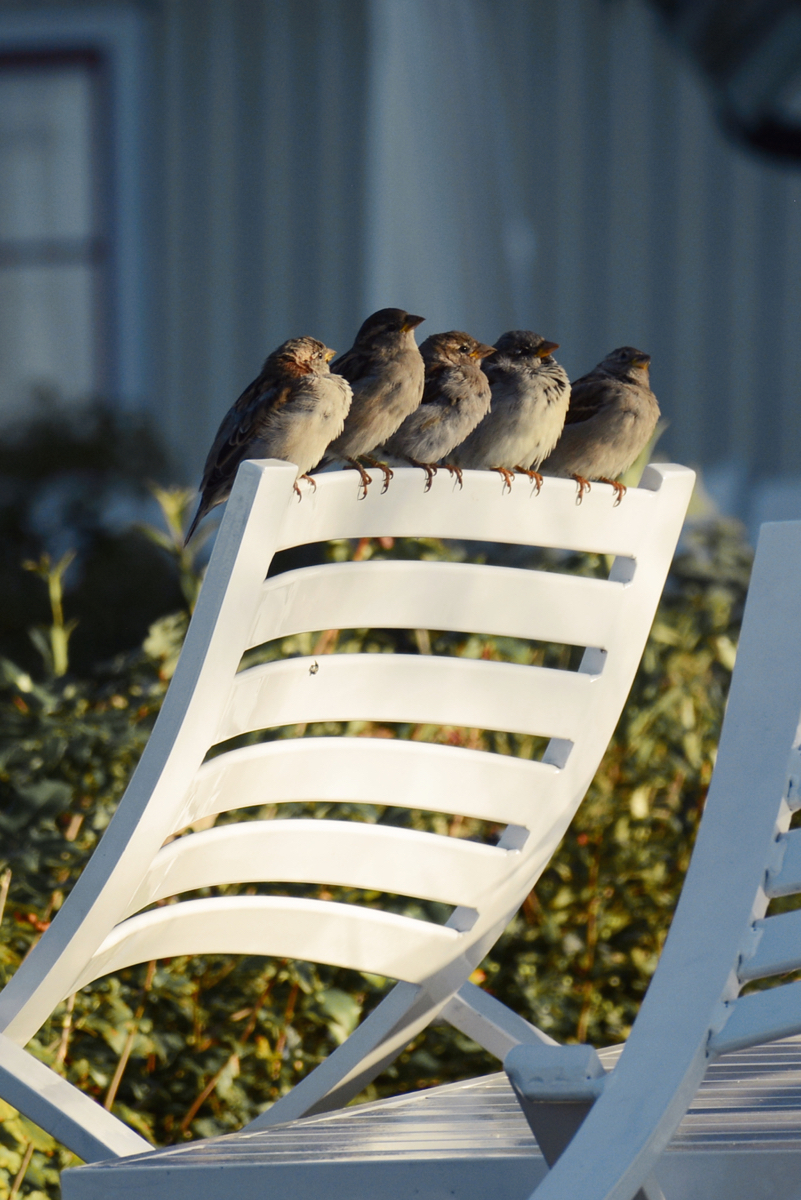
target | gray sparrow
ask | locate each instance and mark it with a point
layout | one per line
(291, 411)
(456, 396)
(613, 414)
(385, 369)
(530, 396)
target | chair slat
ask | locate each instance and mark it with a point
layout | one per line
(449, 779)
(787, 880)
(409, 688)
(341, 935)
(465, 597)
(348, 854)
(759, 1017)
(778, 949)
(482, 511)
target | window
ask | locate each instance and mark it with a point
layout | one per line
(75, 245)
(53, 251)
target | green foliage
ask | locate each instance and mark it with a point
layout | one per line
(70, 477)
(196, 1047)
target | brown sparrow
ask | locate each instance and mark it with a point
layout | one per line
(385, 370)
(456, 396)
(291, 411)
(612, 416)
(530, 395)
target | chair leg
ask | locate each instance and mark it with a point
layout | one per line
(487, 1021)
(556, 1086)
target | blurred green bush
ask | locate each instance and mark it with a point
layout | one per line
(72, 478)
(196, 1047)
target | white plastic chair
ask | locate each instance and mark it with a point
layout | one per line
(720, 939)
(105, 924)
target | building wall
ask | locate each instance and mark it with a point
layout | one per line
(489, 163)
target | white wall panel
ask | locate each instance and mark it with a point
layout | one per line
(489, 163)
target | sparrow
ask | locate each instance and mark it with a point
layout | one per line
(291, 411)
(612, 416)
(456, 395)
(385, 369)
(530, 396)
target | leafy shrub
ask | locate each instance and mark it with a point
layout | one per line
(196, 1047)
(72, 478)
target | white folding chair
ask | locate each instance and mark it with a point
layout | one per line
(106, 923)
(720, 939)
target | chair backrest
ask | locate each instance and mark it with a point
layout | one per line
(720, 939)
(102, 926)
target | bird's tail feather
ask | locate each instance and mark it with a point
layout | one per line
(198, 517)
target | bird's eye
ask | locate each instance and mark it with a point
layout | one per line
(464, 349)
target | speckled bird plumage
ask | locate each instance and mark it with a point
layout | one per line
(385, 370)
(291, 411)
(456, 396)
(530, 396)
(613, 414)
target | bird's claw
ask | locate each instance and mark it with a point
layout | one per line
(380, 466)
(364, 479)
(620, 488)
(430, 470)
(454, 472)
(508, 477)
(534, 476)
(584, 485)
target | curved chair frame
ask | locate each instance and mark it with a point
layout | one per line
(720, 939)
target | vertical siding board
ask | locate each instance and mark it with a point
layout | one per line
(165, 233)
(303, 164)
(713, 377)
(527, 59)
(221, 283)
(666, 293)
(767, 407)
(789, 326)
(686, 433)
(340, 97)
(570, 179)
(277, 197)
(740, 379)
(601, 169)
(251, 179)
(195, 264)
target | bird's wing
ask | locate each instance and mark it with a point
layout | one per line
(450, 387)
(588, 396)
(240, 425)
(432, 388)
(354, 365)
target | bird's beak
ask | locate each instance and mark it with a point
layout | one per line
(545, 349)
(329, 354)
(483, 351)
(412, 322)
(642, 360)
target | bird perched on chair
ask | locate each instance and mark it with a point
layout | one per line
(456, 396)
(530, 395)
(385, 369)
(613, 414)
(292, 410)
